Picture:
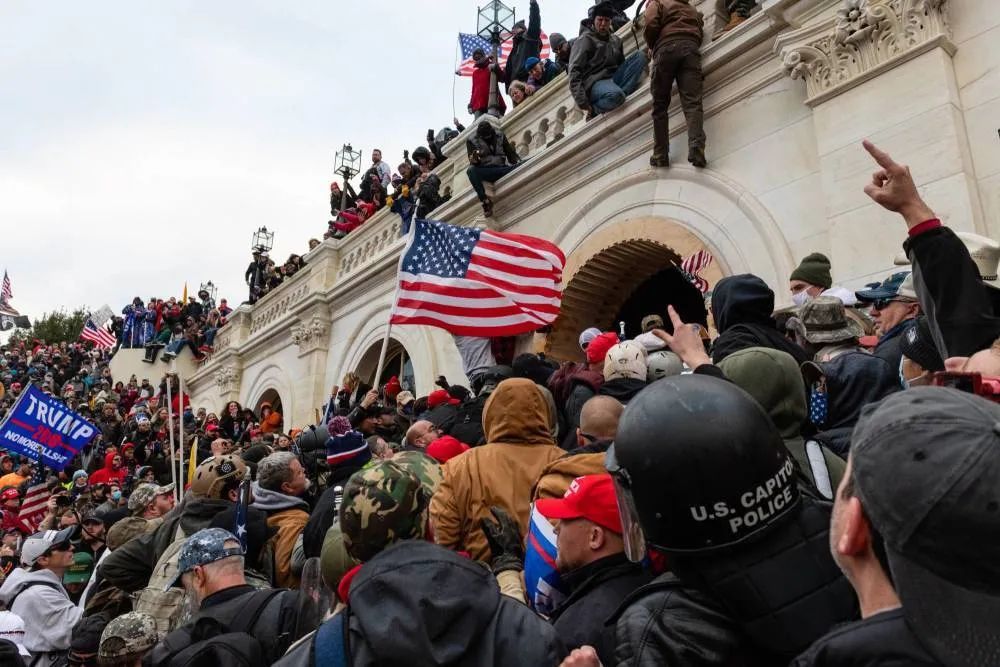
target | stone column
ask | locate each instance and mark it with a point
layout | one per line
(882, 70)
(311, 334)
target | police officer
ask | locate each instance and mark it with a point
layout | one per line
(702, 474)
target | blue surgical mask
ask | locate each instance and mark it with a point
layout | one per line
(116, 495)
(801, 298)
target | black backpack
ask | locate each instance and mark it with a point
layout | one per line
(467, 424)
(210, 643)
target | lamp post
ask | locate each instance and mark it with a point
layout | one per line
(263, 240)
(209, 287)
(494, 20)
(347, 163)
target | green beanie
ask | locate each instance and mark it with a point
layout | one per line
(815, 270)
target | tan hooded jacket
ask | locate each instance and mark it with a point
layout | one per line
(517, 421)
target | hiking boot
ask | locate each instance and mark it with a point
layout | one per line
(696, 156)
(734, 20)
(659, 161)
(488, 207)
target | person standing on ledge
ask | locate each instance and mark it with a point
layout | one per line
(673, 32)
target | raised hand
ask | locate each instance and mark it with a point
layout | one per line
(893, 189)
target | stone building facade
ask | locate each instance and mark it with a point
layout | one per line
(789, 96)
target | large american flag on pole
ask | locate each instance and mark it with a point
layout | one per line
(470, 43)
(99, 336)
(474, 282)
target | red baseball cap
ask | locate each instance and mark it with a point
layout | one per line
(590, 497)
(439, 396)
(10, 494)
(446, 448)
(598, 348)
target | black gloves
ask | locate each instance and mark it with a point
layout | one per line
(506, 546)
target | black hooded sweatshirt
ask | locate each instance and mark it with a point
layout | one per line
(420, 604)
(742, 307)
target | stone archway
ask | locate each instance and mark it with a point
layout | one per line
(272, 397)
(610, 265)
(398, 362)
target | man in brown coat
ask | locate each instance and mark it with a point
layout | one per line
(517, 421)
(673, 32)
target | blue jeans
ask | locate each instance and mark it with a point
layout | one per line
(608, 94)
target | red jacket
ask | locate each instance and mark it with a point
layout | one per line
(480, 100)
(107, 474)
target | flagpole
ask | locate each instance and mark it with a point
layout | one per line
(180, 459)
(170, 433)
(411, 236)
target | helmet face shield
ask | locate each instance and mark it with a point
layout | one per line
(635, 540)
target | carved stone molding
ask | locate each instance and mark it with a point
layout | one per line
(227, 378)
(863, 39)
(310, 335)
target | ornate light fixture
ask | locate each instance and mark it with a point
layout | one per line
(495, 20)
(263, 240)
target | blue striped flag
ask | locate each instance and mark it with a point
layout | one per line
(541, 580)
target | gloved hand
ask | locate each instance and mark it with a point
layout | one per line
(504, 537)
(442, 382)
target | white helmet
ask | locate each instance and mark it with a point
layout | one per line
(663, 364)
(625, 360)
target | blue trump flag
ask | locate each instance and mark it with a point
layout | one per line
(44, 429)
(543, 587)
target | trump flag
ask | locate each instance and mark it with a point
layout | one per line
(44, 429)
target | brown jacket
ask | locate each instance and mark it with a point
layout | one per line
(558, 475)
(516, 420)
(290, 524)
(671, 19)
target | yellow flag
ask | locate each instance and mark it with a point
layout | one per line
(192, 459)
(184, 299)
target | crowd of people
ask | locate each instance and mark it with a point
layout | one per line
(814, 485)
(600, 79)
(171, 325)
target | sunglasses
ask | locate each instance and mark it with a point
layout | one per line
(882, 304)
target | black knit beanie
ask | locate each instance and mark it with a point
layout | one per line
(815, 270)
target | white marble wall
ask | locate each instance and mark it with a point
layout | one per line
(785, 178)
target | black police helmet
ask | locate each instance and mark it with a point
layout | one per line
(698, 465)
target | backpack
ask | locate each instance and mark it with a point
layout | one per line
(467, 424)
(210, 643)
(165, 605)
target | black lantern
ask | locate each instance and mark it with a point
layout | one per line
(495, 20)
(209, 287)
(347, 163)
(263, 240)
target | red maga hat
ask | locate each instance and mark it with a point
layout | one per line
(590, 497)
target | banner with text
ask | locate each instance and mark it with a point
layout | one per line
(44, 429)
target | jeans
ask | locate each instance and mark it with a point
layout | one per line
(479, 175)
(608, 94)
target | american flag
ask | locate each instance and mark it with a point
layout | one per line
(35, 503)
(5, 293)
(693, 266)
(99, 336)
(240, 529)
(470, 43)
(474, 282)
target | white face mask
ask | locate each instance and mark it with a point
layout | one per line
(801, 298)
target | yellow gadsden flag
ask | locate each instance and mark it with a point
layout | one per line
(192, 459)
(184, 299)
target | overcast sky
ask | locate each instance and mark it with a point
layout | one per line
(142, 143)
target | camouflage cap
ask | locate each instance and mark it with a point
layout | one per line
(210, 476)
(382, 505)
(824, 320)
(128, 636)
(426, 469)
(144, 494)
(127, 529)
(206, 546)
